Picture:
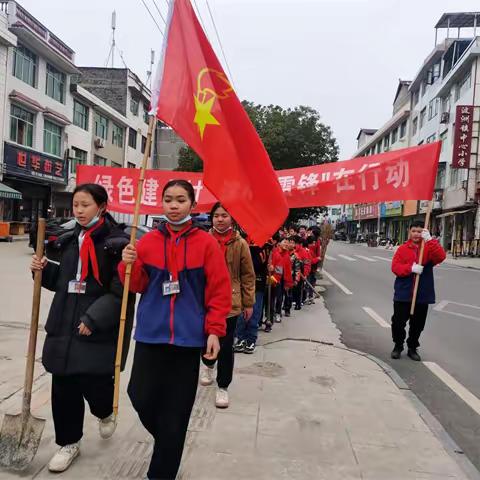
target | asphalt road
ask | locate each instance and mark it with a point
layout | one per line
(450, 344)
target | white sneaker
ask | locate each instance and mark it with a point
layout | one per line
(206, 376)
(107, 426)
(221, 400)
(64, 458)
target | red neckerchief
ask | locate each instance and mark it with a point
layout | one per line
(223, 240)
(172, 250)
(87, 253)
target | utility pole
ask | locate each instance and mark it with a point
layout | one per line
(114, 26)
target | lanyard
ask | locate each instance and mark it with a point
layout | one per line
(81, 236)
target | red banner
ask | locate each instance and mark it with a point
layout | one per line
(462, 145)
(407, 174)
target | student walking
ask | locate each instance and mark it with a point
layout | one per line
(186, 296)
(242, 276)
(82, 325)
(405, 266)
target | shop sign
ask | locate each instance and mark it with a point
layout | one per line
(30, 164)
(393, 209)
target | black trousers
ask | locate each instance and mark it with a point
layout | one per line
(226, 357)
(401, 315)
(68, 403)
(162, 389)
(287, 302)
(297, 294)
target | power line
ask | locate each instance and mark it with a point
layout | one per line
(159, 12)
(219, 41)
(153, 18)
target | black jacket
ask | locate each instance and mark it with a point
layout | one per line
(65, 351)
(260, 265)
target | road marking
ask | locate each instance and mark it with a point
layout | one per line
(342, 287)
(346, 257)
(328, 257)
(383, 258)
(468, 397)
(376, 317)
(368, 259)
(440, 307)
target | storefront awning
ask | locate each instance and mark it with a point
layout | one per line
(449, 214)
(8, 192)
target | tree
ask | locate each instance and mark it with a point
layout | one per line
(293, 137)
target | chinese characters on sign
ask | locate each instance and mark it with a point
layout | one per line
(463, 136)
(407, 174)
(26, 163)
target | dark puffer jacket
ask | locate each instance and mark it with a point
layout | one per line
(65, 351)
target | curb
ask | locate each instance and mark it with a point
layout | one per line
(449, 445)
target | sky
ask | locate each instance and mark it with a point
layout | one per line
(341, 57)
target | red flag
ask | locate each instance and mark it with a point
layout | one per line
(193, 95)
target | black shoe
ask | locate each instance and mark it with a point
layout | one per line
(268, 327)
(298, 307)
(396, 353)
(240, 346)
(412, 353)
(287, 313)
(249, 348)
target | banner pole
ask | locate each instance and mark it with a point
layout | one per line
(126, 287)
(420, 258)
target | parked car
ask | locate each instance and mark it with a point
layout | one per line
(56, 227)
(340, 235)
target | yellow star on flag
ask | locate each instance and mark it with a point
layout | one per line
(203, 115)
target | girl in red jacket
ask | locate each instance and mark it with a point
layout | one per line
(186, 296)
(280, 269)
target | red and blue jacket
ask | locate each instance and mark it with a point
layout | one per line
(403, 260)
(192, 257)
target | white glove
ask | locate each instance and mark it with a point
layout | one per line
(416, 268)
(426, 235)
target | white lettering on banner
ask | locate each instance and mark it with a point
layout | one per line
(465, 118)
(125, 190)
(344, 174)
(198, 189)
(373, 168)
(308, 180)
(106, 182)
(461, 162)
(287, 183)
(463, 137)
(149, 193)
(398, 174)
(465, 110)
(465, 128)
(326, 176)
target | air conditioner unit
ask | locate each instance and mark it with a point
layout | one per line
(99, 143)
(445, 118)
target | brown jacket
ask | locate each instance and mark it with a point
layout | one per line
(242, 274)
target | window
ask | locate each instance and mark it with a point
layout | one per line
(80, 115)
(431, 138)
(117, 135)
(453, 176)
(415, 97)
(25, 65)
(423, 88)
(145, 113)
(144, 143)
(446, 104)
(101, 126)
(379, 147)
(463, 86)
(132, 138)
(99, 161)
(414, 126)
(440, 180)
(443, 138)
(21, 126)
(430, 109)
(52, 139)
(433, 108)
(131, 165)
(435, 72)
(134, 105)
(55, 87)
(386, 143)
(423, 115)
(79, 158)
(403, 129)
(394, 135)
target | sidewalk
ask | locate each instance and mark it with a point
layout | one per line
(302, 407)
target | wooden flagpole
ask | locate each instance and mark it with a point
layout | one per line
(420, 258)
(126, 287)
